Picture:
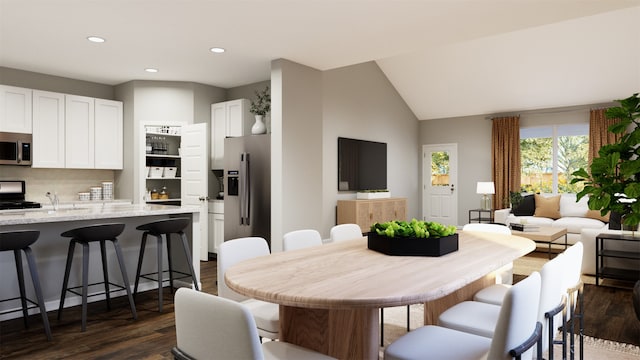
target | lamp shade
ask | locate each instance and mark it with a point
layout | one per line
(485, 187)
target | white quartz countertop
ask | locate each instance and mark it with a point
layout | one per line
(79, 213)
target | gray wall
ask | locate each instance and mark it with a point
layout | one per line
(359, 102)
(296, 149)
(32, 80)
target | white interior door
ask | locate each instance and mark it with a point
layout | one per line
(440, 179)
(194, 173)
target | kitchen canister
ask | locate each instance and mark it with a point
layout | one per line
(84, 196)
(95, 193)
(107, 190)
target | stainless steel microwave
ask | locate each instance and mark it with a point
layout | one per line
(15, 149)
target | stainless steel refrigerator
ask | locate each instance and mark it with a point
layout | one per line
(247, 179)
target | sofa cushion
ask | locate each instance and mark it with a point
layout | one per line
(595, 214)
(569, 206)
(548, 207)
(527, 206)
(576, 224)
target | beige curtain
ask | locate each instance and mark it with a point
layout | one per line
(505, 152)
(599, 134)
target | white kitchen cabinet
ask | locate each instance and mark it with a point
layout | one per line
(228, 119)
(15, 109)
(109, 134)
(216, 225)
(79, 132)
(48, 130)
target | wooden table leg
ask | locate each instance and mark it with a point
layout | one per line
(343, 334)
(433, 309)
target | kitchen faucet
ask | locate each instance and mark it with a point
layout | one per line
(54, 200)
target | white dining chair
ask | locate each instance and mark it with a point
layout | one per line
(230, 252)
(209, 326)
(345, 232)
(300, 239)
(481, 318)
(575, 292)
(516, 331)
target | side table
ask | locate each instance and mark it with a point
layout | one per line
(603, 271)
(481, 216)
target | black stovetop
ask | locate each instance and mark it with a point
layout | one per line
(18, 204)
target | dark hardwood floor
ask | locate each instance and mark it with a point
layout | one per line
(609, 315)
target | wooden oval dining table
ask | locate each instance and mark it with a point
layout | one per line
(330, 295)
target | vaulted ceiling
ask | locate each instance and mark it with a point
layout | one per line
(430, 50)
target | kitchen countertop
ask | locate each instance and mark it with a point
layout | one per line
(78, 213)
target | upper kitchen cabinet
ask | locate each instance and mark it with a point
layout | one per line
(79, 132)
(15, 109)
(48, 130)
(109, 134)
(228, 119)
(76, 132)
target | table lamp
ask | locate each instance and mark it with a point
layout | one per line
(485, 188)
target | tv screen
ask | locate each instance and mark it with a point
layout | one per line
(362, 165)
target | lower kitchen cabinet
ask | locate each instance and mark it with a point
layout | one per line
(216, 225)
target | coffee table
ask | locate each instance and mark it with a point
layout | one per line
(544, 235)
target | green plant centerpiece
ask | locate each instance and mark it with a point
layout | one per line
(261, 105)
(613, 182)
(414, 228)
(413, 238)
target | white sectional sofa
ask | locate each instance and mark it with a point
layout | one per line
(581, 223)
(572, 215)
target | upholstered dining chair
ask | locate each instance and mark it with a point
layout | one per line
(230, 252)
(575, 290)
(515, 333)
(300, 239)
(345, 232)
(481, 318)
(208, 326)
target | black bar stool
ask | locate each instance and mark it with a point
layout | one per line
(84, 236)
(159, 229)
(22, 240)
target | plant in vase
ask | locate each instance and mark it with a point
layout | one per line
(259, 108)
(613, 182)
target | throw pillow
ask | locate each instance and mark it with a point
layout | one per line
(527, 206)
(548, 207)
(595, 214)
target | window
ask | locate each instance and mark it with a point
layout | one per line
(550, 154)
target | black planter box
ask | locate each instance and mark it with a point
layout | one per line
(412, 246)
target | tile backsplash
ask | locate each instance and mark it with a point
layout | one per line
(66, 182)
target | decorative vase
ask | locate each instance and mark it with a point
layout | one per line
(258, 127)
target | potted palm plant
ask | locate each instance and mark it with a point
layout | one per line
(613, 182)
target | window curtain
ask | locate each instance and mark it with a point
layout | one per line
(505, 152)
(599, 134)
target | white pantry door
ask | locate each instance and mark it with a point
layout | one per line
(439, 183)
(194, 173)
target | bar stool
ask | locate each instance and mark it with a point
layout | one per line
(22, 240)
(163, 229)
(84, 236)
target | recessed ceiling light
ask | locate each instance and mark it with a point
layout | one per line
(217, 50)
(151, 70)
(96, 39)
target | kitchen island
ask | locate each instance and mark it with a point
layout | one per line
(51, 249)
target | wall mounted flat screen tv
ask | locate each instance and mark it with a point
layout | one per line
(362, 165)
